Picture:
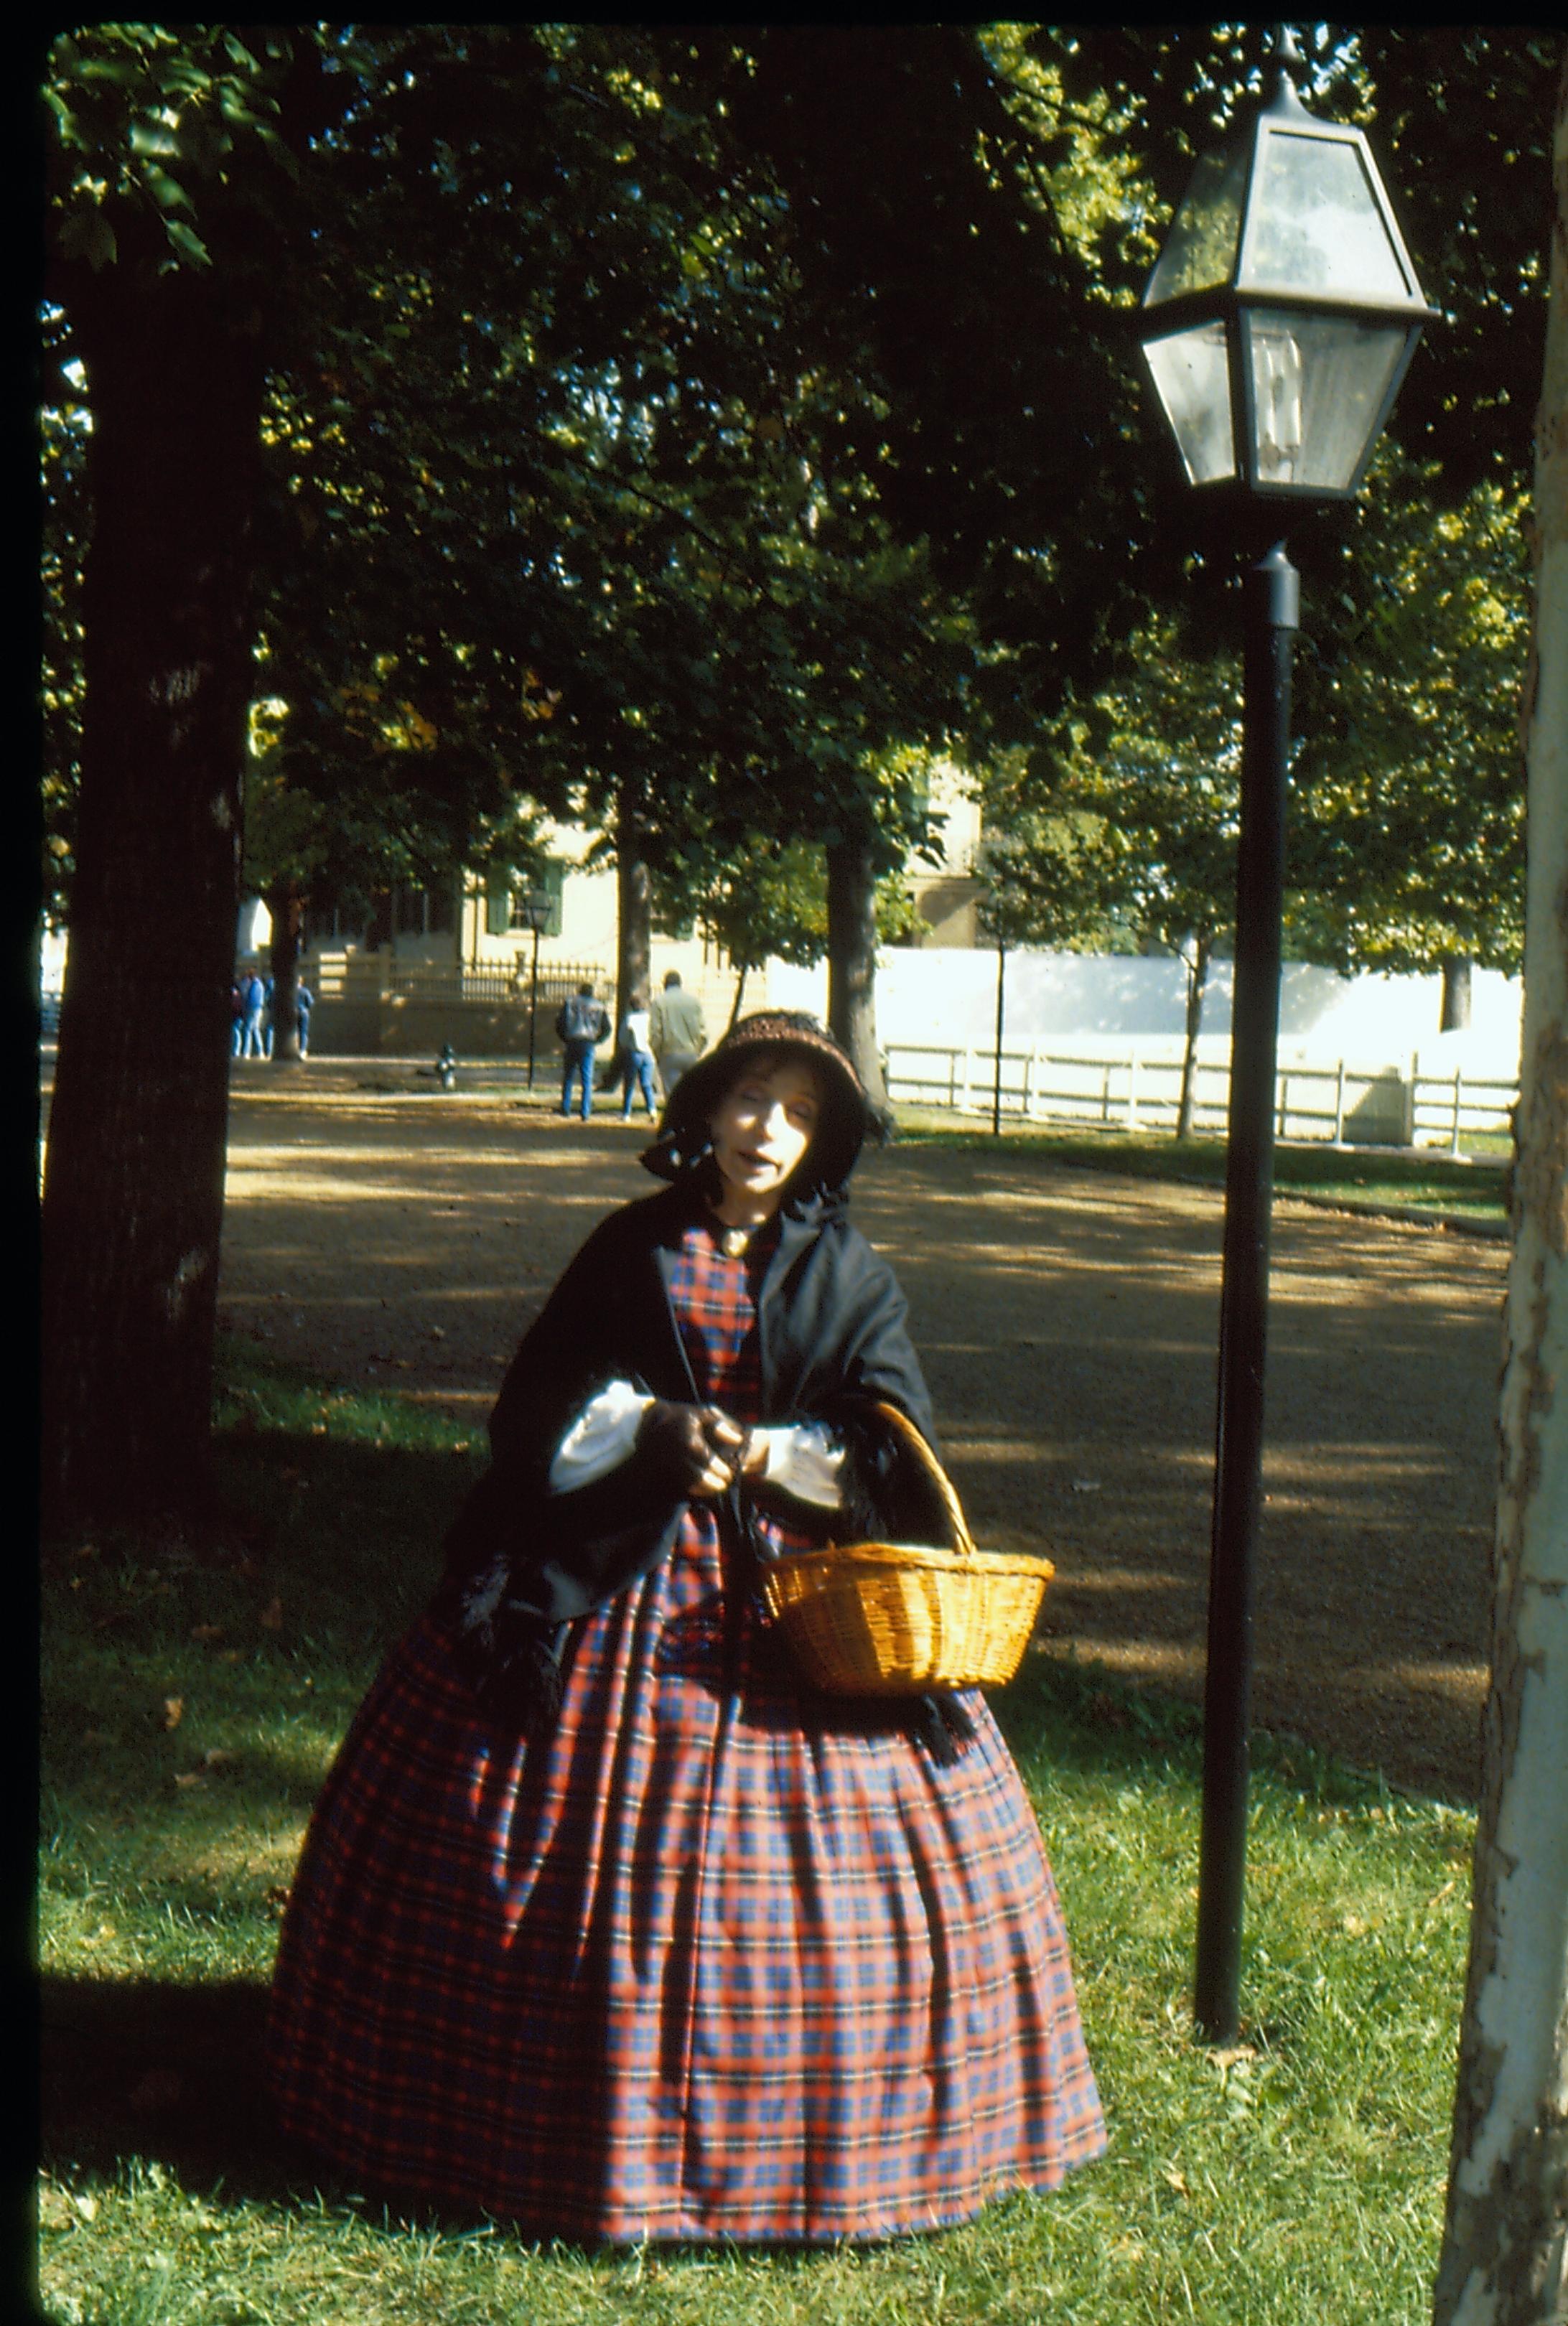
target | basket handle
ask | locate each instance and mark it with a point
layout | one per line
(963, 1541)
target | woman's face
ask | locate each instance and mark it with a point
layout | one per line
(761, 1130)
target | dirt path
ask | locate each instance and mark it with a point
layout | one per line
(1068, 1323)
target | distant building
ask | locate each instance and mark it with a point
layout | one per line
(483, 925)
(946, 895)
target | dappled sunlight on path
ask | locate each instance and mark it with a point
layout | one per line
(1068, 1322)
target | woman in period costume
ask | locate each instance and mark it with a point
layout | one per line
(607, 1924)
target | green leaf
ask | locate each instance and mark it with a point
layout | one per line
(153, 137)
(187, 242)
(180, 78)
(71, 132)
(165, 191)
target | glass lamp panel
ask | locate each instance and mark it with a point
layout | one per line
(1315, 223)
(1191, 377)
(1200, 249)
(1318, 384)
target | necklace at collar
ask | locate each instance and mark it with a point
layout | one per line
(735, 1242)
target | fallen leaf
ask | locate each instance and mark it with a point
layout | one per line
(87, 2206)
(188, 1779)
(217, 1757)
(206, 1632)
(174, 1711)
(438, 1332)
(1177, 2179)
(233, 1656)
(1085, 1485)
(271, 1616)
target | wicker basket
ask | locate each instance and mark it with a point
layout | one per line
(891, 1619)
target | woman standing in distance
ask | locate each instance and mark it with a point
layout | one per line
(607, 1923)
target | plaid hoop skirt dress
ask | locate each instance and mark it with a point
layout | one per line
(711, 1960)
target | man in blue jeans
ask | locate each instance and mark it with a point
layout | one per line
(582, 1023)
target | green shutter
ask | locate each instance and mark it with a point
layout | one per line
(498, 905)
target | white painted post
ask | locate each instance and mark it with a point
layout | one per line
(1133, 1090)
(1339, 1104)
(1505, 2258)
(1458, 1074)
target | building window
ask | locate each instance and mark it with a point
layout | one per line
(423, 912)
(507, 901)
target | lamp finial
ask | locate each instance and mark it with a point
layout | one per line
(1285, 53)
(1290, 64)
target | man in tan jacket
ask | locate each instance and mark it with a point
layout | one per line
(678, 1034)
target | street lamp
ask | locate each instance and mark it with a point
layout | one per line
(533, 909)
(1277, 325)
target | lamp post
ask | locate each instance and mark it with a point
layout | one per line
(535, 911)
(1277, 325)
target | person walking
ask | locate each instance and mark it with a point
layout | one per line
(678, 1031)
(608, 1924)
(305, 1002)
(637, 1057)
(254, 993)
(582, 1024)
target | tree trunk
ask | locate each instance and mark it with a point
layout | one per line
(1197, 980)
(1456, 994)
(134, 1189)
(287, 907)
(1505, 2256)
(742, 967)
(852, 961)
(634, 928)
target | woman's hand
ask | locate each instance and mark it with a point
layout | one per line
(696, 1449)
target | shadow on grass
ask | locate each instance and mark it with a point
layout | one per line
(175, 2075)
(170, 2073)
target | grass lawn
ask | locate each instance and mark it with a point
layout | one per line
(192, 1706)
(1359, 1178)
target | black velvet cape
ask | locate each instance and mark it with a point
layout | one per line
(523, 1564)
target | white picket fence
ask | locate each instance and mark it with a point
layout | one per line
(1349, 1105)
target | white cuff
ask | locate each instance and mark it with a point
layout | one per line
(801, 1459)
(804, 1461)
(601, 1439)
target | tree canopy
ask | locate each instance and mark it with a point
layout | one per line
(679, 427)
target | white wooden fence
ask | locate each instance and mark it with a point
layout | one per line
(1381, 1106)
